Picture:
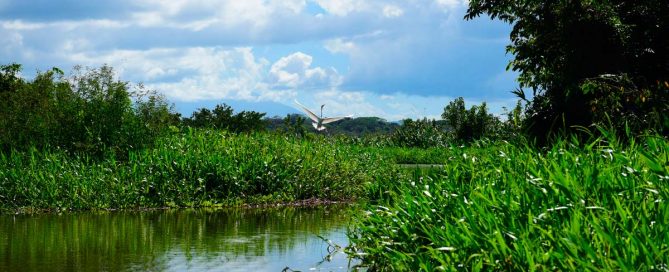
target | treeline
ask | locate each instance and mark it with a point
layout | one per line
(92, 112)
(460, 125)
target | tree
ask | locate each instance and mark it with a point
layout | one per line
(467, 125)
(89, 112)
(294, 125)
(10, 80)
(222, 117)
(586, 60)
(419, 133)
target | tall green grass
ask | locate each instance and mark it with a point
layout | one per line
(503, 207)
(196, 168)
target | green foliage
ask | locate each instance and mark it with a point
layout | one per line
(294, 125)
(420, 133)
(31, 111)
(105, 117)
(622, 106)
(582, 58)
(362, 126)
(10, 81)
(472, 124)
(90, 112)
(496, 206)
(194, 168)
(222, 117)
(512, 128)
(156, 115)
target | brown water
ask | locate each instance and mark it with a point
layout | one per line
(176, 240)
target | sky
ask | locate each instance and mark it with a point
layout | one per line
(393, 59)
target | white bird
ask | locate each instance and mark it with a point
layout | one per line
(318, 122)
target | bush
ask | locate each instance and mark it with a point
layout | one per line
(420, 133)
(90, 112)
(472, 124)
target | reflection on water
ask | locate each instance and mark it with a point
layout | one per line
(176, 240)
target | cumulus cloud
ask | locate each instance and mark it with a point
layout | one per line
(189, 74)
(295, 71)
(388, 54)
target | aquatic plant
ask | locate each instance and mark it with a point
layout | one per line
(193, 168)
(575, 206)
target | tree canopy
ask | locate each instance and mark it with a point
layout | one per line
(588, 61)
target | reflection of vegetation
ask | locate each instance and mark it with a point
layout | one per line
(83, 142)
(119, 240)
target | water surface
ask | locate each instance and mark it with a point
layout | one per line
(176, 240)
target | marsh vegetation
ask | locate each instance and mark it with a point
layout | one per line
(575, 177)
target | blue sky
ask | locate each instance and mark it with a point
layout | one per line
(386, 58)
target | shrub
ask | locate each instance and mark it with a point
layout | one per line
(420, 133)
(89, 112)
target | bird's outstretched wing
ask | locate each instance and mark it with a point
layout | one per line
(334, 119)
(308, 112)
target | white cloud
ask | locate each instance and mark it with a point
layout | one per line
(392, 11)
(448, 5)
(295, 71)
(200, 14)
(338, 45)
(11, 42)
(396, 58)
(189, 74)
(61, 25)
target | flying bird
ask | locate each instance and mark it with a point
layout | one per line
(318, 122)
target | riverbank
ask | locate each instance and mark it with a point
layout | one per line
(198, 168)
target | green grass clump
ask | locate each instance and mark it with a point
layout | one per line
(497, 206)
(411, 155)
(196, 168)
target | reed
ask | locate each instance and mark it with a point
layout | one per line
(498, 206)
(194, 168)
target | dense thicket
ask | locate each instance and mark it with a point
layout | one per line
(588, 62)
(90, 111)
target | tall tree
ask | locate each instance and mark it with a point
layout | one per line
(587, 61)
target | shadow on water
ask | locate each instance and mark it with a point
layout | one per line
(177, 240)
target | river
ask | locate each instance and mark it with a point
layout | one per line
(267, 239)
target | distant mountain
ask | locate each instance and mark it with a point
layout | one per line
(355, 126)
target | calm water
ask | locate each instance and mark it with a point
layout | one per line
(176, 240)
